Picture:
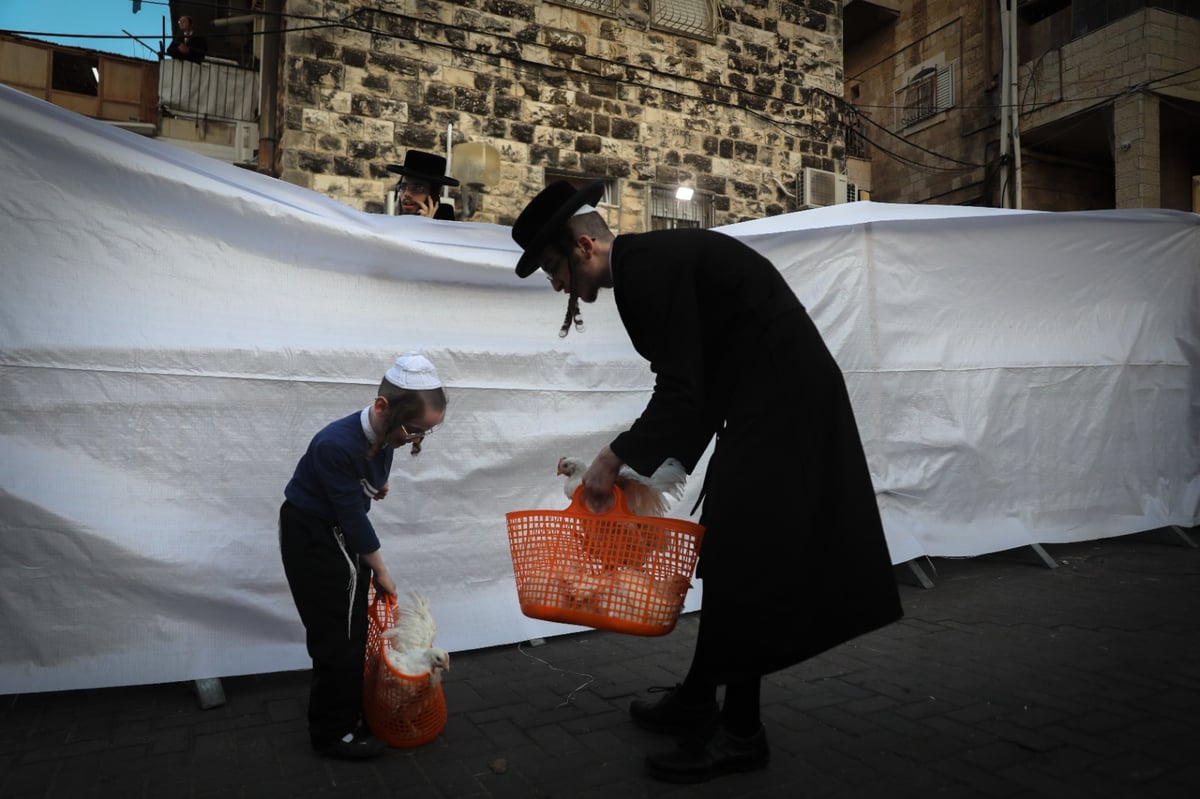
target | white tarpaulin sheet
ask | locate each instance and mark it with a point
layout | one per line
(174, 330)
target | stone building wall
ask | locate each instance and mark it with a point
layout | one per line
(560, 89)
(1107, 117)
(941, 159)
(1136, 68)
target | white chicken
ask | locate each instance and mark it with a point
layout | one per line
(636, 594)
(412, 652)
(647, 496)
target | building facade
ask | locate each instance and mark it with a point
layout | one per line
(732, 100)
(1105, 98)
(209, 107)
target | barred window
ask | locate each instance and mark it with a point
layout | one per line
(606, 6)
(930, 92)
(856, 139)
(695, 17)
(667, 212)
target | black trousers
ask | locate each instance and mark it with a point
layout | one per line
(329, 586)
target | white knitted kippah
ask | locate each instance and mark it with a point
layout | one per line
(414, 371)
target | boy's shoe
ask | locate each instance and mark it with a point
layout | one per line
(357, 745)
(673, 715)
(721, 753)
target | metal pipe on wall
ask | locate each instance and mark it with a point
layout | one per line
(1005, 102)
(1014, 75)
(268, 142)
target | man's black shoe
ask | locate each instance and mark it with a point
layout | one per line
(701, 760)
(361, 746)
(674, 715)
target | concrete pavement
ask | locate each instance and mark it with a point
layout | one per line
(1006, 679)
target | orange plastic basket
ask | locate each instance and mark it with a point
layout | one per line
(401, 710)
(611, 571)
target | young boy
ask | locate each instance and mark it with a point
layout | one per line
(329, 547)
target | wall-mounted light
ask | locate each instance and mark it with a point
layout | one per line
(684, 193)
(475, 164)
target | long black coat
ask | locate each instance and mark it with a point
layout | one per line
(794, 558)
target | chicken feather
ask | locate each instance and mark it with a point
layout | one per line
(410, 649)
(647, 496)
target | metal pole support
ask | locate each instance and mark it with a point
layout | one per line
(209, 693)
(1050, 562)
(1183, 534)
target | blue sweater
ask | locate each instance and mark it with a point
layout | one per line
(335, 481)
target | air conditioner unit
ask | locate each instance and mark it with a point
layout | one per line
(819, 187)
(245, 142)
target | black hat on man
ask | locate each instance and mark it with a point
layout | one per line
(545, 214)
(428, 167)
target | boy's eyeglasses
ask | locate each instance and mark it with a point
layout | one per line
(413, 436)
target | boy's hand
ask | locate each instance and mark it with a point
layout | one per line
(384, 584)
(381, 493)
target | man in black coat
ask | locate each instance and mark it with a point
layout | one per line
(794, 558)
(188, 45)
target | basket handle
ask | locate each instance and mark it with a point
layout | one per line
(620, 506)
(382, 607)
(373, 596)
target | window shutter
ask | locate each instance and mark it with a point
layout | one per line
(945, 88)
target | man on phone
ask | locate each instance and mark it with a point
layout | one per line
(422, 176)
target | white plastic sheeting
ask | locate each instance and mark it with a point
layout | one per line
(174, 330)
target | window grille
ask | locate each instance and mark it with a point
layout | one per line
(930, 92)
(667, 212)
(606, 6)
(695, 17)
(856, 139)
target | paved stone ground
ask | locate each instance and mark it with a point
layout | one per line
(1007, 679)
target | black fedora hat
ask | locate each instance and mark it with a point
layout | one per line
(424, 166)
(545, 214)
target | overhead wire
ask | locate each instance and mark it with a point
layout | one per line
(523, 68)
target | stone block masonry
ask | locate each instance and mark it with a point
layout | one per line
(559, 88)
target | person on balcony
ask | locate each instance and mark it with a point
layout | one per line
(188, 45)
(422, 176)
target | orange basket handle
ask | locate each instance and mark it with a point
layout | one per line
(620, 506)
(373, 596)
(389, 603)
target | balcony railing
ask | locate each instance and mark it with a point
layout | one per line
(213, 89)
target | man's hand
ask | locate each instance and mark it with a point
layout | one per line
(598, 481)
(381, 493)
(428, 207)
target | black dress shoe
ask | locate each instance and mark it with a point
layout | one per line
(702, 760)
(361, 746)
(674, 715)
